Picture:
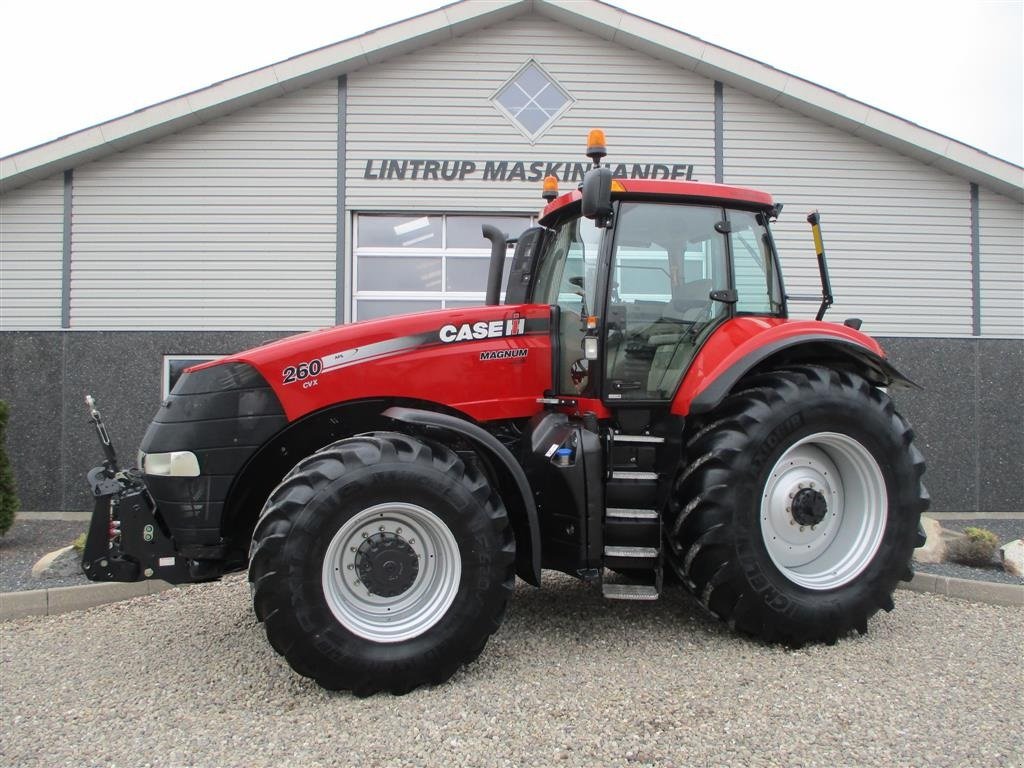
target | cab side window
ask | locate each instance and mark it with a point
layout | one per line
(757, 282)
(567, 278)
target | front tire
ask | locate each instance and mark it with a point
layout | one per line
(381, 563)
(798, 509)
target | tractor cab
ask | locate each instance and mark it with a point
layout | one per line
(639, 274)
(637, 297)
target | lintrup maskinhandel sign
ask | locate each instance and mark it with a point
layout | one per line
(513, 170)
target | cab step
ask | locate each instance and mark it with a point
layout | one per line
(621, 513)
(629, 591)
(647, 477)
(632, 552)
(618, 437)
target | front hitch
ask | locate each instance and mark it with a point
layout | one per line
(126, 540)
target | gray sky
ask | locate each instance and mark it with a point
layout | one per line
(953, 66)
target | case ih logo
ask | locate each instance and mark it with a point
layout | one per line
(495, 329)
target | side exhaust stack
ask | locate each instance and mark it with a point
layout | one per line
(499, 243)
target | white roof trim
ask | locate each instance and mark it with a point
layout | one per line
(597, 18)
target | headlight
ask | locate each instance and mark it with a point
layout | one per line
(174, 464)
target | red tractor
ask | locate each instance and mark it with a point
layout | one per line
(639, 409)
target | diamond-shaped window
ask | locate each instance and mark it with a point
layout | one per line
(532, 100)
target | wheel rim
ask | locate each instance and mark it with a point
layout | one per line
(400, 544)
(824, 511)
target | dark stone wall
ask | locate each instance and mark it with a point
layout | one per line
(969, 418)
(45, 376)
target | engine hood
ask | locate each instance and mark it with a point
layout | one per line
(471, 359)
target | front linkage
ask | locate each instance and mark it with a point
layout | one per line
(126, 541)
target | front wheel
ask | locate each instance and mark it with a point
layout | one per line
(798, 509)
(381, 562)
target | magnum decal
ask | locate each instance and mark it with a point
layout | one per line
(504, 354)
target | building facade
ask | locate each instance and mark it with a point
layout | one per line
(351, 182)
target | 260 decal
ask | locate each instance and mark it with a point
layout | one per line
(302, 371)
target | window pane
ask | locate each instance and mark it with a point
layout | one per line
(531, 80)
(399, 273)
(567, 277)
(464, 231)
(512, 98)
(467, 274)
(532, 118)
(638, 276)
(550, 99)
(470, 275)
(368, 309)
(462, 303)
(399, 232)
(751, 256)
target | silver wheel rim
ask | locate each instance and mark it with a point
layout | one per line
(834, 551)
(420, 606)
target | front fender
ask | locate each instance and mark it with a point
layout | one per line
(515, 487)
(745, 344)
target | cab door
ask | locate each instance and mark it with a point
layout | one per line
(666, 261)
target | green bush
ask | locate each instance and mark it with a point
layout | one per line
(977, 548)
(8, 497)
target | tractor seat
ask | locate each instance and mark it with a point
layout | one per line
(693, 302)
(693, 305)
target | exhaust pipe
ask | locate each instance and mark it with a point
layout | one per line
(499, 243)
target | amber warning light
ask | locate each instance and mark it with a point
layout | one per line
(596, 145)
(550, 191)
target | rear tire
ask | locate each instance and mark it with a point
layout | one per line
(797, 511)
(381, 563)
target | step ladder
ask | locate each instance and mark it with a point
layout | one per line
(632, 525)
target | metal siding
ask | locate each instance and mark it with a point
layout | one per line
(435, 104)
(228, 225)
(897, 232)
(1002, 266)
(31, 255)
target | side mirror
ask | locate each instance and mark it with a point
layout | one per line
(597, 195)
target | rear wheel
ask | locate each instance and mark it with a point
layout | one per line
(797, 512)
(381, 562)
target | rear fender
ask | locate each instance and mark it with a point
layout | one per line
(749, 347)
(514, 487)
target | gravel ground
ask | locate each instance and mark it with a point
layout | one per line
(28, 540)
(186, 678)
(25, 543)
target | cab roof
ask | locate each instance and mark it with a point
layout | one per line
(672, 191)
